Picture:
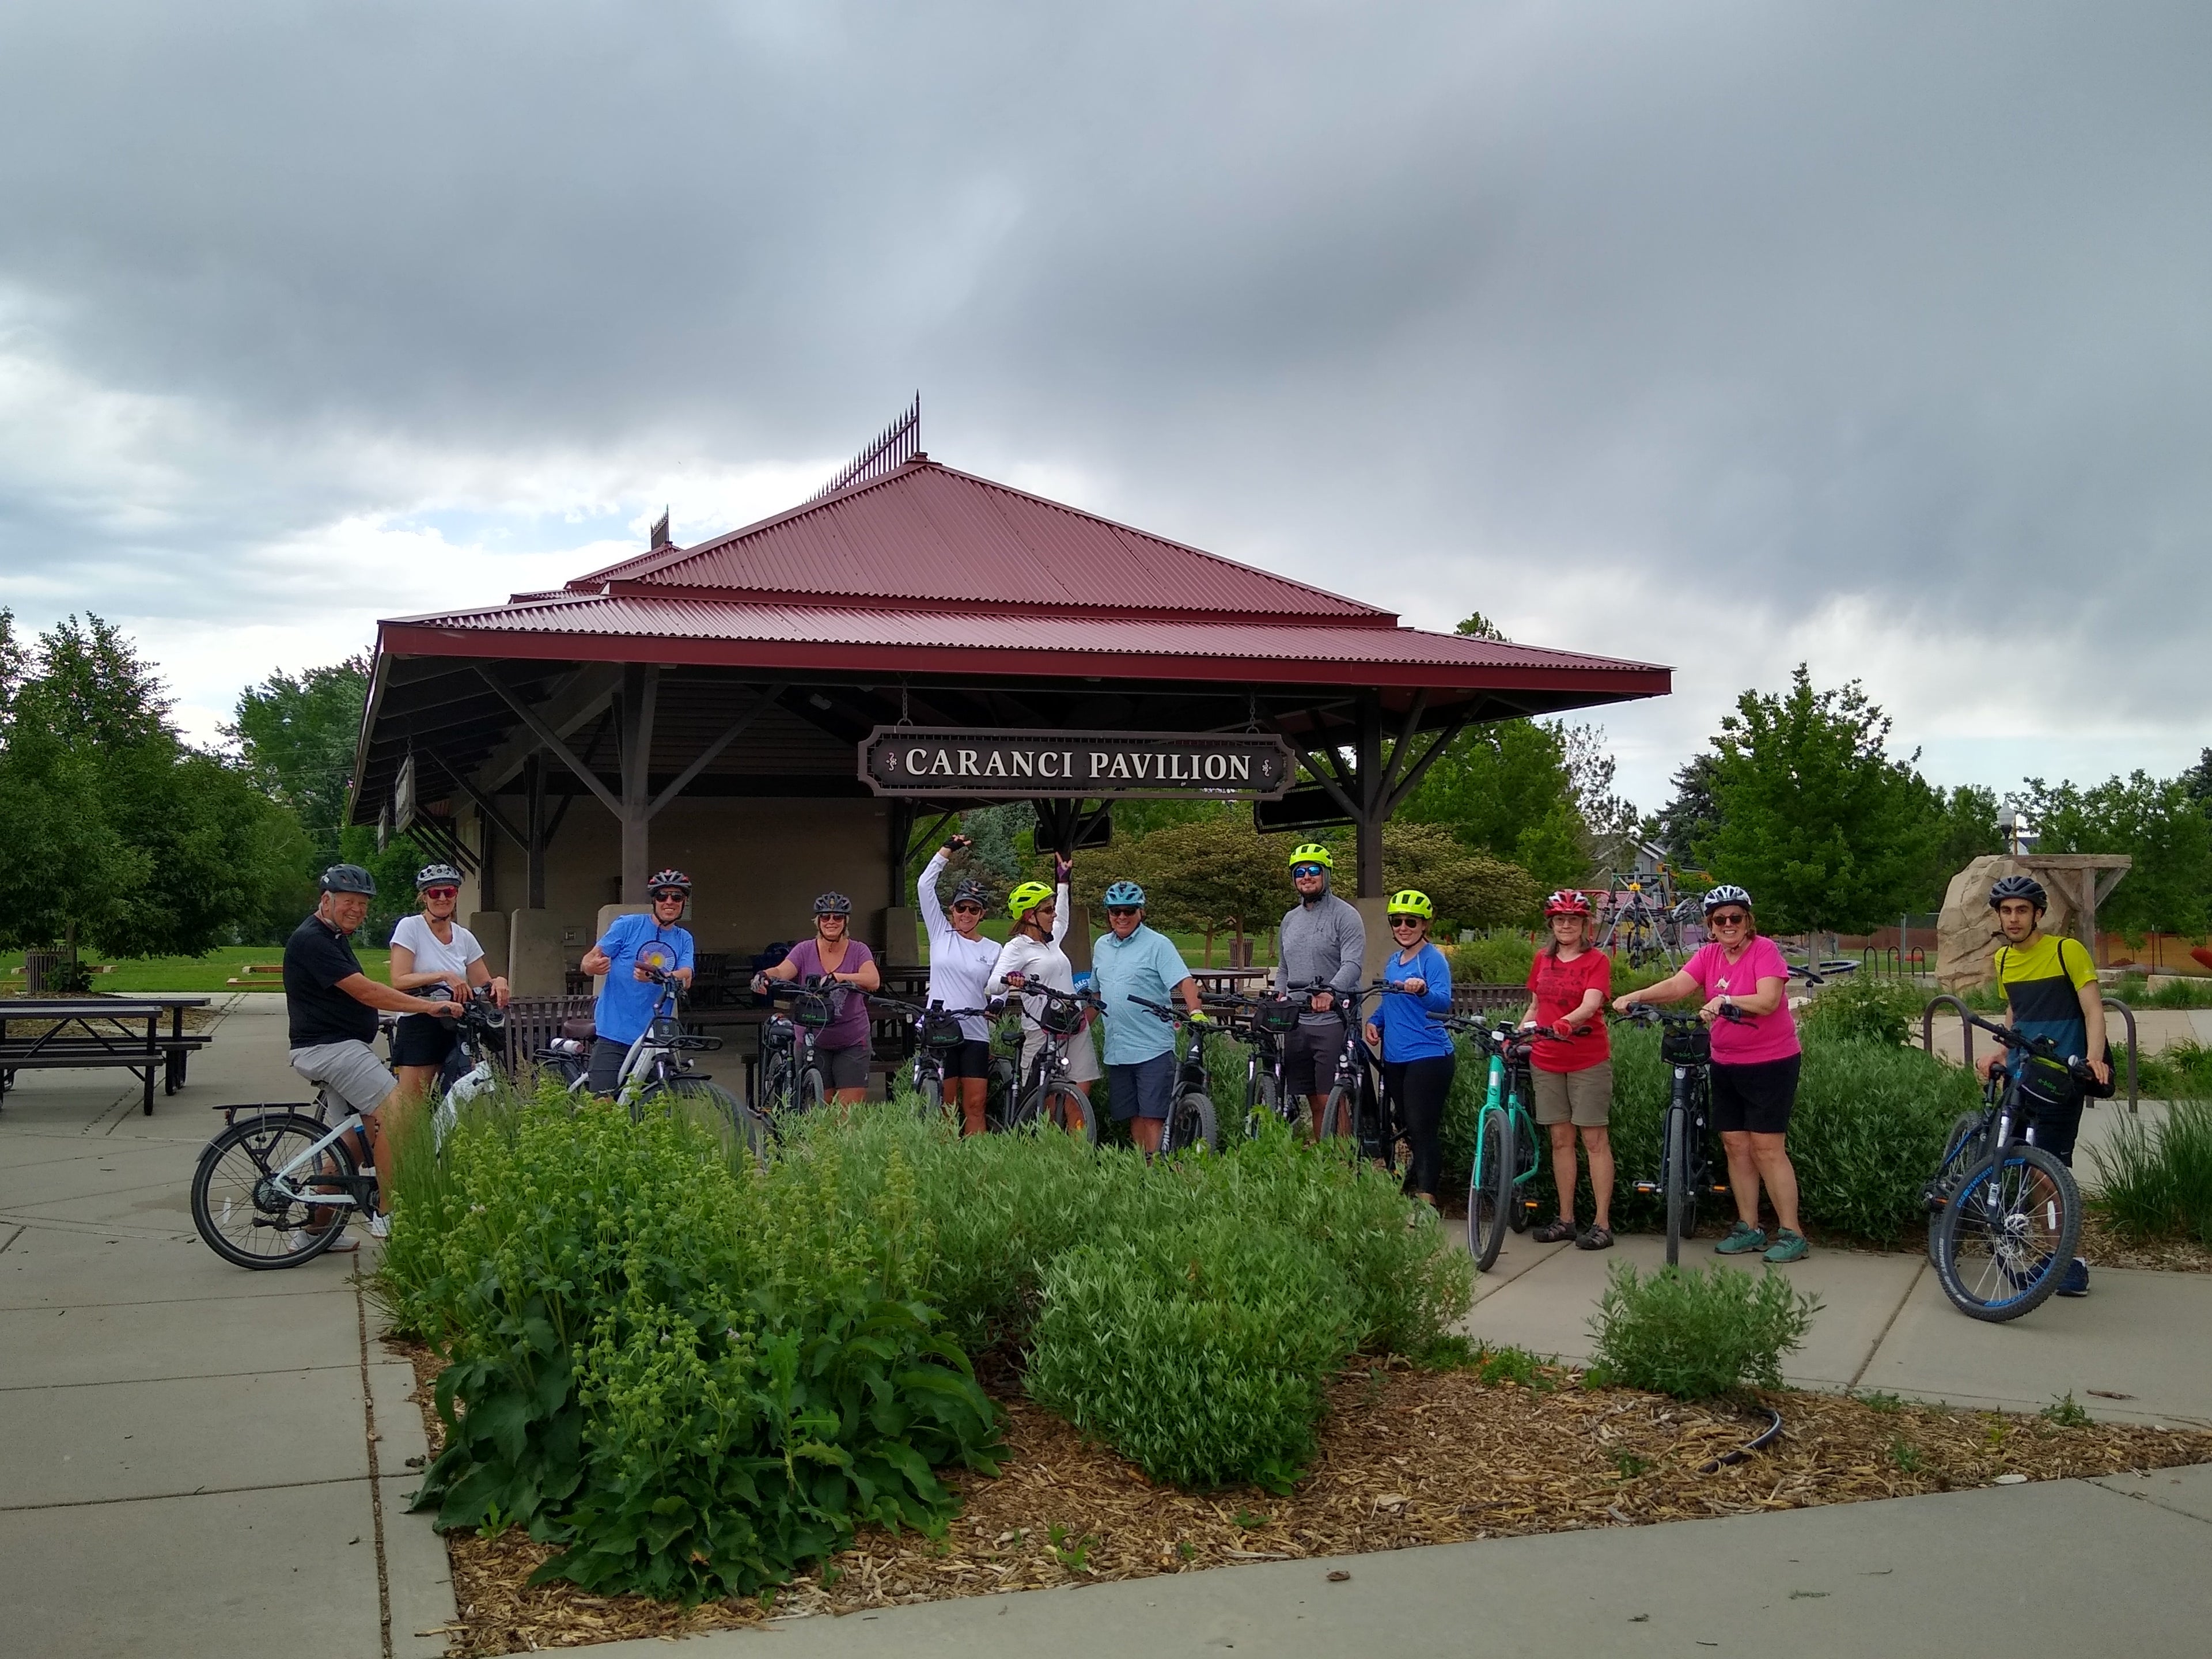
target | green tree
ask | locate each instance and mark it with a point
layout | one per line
(1965, 827)
(1479, 627)
(2157, 823)
(1469, 888)
(1691, 817)
(1211, 872)
(296, 735)
(1815, 818)
(1509, 789)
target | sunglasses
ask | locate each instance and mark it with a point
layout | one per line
(1404, 922)
(1121, 909)
(1733, 919)
(441, 892)
(968, 910)
(1300, 872)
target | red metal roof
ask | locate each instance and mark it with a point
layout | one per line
(930, 534)
(835, 637)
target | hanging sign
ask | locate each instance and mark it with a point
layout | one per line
(932, 761)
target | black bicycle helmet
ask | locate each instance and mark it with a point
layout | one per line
(436, 875)
(2019, 887)
(348, 878)
(833, 903)
(972, 892)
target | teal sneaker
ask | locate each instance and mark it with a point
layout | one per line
(1787, 1247)
(1741, 1237)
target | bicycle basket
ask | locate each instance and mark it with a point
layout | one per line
(811, 1010)
(1280, 1015)
(940, 1031)
(1687, 1045)
(1062, 1018)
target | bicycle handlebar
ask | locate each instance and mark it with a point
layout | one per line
(2042, 1048)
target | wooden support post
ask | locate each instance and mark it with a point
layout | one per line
(534, 826)
(1373, 795)
(640, 687)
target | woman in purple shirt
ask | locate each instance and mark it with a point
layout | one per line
(841, 1049)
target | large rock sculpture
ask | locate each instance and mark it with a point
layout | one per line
(1966, 928)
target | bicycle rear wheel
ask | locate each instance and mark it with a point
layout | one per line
(1490, 1188)
(1527, 1148)
(716, 1109)
(236, 1204)
(1962, 1150)
(2003, 1242)
(1681, 1202)
(1259, 1102)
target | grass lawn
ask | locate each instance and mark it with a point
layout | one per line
(210, 972)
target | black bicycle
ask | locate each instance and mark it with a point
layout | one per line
(1356, 1107)
(1688, 1169)
(791, 1077)
(2004, 1215)
(1046, 1093)
(1261, 1025)
(1190, 1120)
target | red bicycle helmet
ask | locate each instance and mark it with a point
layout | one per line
(1567, 902)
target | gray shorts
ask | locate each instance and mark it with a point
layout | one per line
(1583, 1099)
(352, 1073)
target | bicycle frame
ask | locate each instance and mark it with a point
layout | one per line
(285, 1176)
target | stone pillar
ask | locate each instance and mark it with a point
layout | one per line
(536, 966)
(902, 948)
(493, 931)
(1374, 915)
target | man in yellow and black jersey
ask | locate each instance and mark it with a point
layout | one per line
(2051, 991)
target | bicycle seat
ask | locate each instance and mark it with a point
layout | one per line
(579, 1028)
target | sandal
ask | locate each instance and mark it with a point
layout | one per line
(1557, 1231)
(1597, 1238)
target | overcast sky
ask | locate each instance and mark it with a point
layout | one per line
(1721, 335)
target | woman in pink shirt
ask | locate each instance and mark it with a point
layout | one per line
(1756, 1059)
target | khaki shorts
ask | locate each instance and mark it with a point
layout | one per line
(1583, 1099)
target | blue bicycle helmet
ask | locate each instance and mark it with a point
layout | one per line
(1123, 894)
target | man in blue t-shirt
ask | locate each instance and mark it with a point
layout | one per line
(1132, 960)
(639, 952)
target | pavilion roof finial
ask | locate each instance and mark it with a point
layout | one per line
(895, 445)
(660, 531)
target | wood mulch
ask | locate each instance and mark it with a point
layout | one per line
(2103, 1246)
(1407, 1457)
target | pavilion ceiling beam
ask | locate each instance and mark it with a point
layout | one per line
(707, 755)
(587, 694)
(552, 741)
(1400, 748)
(1411, 779)
(492, 815)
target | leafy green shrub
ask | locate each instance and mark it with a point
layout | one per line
(1865, 1009)
(1199, 1353)
(2156, 1183)
(1696, 1333)
(693, 1379)
(1501, 957)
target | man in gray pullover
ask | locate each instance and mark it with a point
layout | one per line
(1323, 940)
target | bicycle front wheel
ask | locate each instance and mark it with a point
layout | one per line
(1338, 1115)
(1962, 1150)
(243, 1211)
(1191, 1123)
(1066, 1109)
(812, 1093)
(716, 1109)
(2003, 1242)
(1259, 1102)
(1681, 1203)
(1490, 1193)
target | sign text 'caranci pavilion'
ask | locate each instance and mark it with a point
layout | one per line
(927, 761)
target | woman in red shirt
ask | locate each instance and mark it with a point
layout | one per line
(1568, 984)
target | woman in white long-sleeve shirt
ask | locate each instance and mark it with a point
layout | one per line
(1035, 953)
(960, 963)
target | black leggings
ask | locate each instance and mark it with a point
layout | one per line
(1419, 1087)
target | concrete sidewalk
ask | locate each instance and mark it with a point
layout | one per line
(2138, 1349)
(187, 1447)
(1893, 1580)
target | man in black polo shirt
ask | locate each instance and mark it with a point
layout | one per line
(331, 1005)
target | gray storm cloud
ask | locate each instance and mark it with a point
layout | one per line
(1595, 317)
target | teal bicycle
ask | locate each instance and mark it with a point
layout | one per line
(1507, 1148)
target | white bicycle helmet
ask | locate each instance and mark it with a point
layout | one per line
(1726, 893)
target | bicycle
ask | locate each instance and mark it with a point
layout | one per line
(935, 1032)
(1635, 929)
(652, 1071)
(1260, 1023)
(790, 1076)
(470, 1070)
(2005, 1216)
(1507, 1146)
(1357, 1104)
(1046, 1094)
(1190, 1120)
(1686, 1163)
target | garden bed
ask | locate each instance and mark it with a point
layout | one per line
(1407, 1457)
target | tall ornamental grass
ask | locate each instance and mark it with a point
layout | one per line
(2156, 1183)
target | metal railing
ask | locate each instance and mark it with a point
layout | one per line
(1966, 1036)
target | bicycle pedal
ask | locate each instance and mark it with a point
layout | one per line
(1647, 1187)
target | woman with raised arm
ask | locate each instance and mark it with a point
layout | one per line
(841, 1048)
(1756, 1058)
(1035, 953)
(960, 963)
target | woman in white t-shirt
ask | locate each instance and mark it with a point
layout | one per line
(431, 949)
(1035, 952)
(960, 962)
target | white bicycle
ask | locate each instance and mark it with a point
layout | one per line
(277, 1188)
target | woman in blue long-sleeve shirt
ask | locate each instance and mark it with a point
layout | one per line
(1417, 1057)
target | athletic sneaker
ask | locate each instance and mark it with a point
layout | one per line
(380, 1226)
(2076, 1282)
(1743, 1237)
(1787, 1247)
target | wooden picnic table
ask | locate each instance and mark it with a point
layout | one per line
(72, 1033)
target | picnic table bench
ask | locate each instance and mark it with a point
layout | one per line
(69, 1033)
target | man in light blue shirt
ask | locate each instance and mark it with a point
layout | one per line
(1134, 961)
(639, 953)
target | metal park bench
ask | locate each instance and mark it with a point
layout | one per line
(72, 1033)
